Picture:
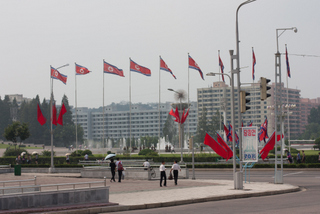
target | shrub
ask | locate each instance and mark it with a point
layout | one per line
(47, 153)
(148, 152)
(14, 152)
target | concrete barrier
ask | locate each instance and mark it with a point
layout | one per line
(54, 198)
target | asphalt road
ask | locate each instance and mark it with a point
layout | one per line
(305, 201)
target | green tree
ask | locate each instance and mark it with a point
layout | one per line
(169, 128)
(202, 127)
(16, 131)
(5, 119)
(317, 144)
(214, 123)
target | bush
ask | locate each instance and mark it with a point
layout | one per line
(14, 152)
(80, 153)
(148, 152)
(47, 153)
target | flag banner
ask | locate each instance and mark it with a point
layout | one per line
(55, 74)
(249, 144)
(194, 65)
(111, 69)
(235, 134)
(220, 147)
(177, 115)
(221, 67)
(226, 130)
(268, 147)
(184, 116)
(139, 69)
(249, 124)
(253, 63)
(41, 119)
(63, 110)
(54, 114)
(80, 70)
(287, 62)
(263, 133)
(163, 66)
(172, 113)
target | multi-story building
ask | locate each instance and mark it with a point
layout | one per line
(218, 97)
(19, 98)
(116, 119)
(306, 105)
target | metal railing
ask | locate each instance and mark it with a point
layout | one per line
(19, 181)
(41, 187)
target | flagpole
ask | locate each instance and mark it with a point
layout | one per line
(75, 86)
(188, 101)
(51, 170)
(130, 102)
(159, 102)
(288, 108)
(253, 88)
(219, 93)
(103, 102)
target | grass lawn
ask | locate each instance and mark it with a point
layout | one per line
(311, 152)
(4, 146)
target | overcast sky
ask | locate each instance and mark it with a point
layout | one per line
(36, 34)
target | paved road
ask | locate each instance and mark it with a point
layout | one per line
(306, 201)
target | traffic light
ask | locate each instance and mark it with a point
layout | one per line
(244, 101)
(264, 88)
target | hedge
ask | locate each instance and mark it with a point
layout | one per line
(310, 165)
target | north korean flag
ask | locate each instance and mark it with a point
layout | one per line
(111, 69)
(194, 65)
(55, 74)
(163, 66)
(221, 67)
(140, 69)
(80, 70)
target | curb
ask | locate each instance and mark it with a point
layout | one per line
(119, 208)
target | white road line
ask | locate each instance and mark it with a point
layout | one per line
(294, 173)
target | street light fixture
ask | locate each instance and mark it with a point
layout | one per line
(180, 95)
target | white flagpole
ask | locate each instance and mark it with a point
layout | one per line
(103, 102)
(75, 86)
(253, 90)
(188, 101)
(130, 102)
(159, 102)
(51, 130)
(219, 93)
(288, 108)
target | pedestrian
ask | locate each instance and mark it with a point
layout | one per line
(86, 157)
(319, 158)
(146, 165)
(37, 157)
(113, 170)
(298, 157)
(175, 167)
(67, 159)
(162, 169)
(303, 160)
(120, 169)
(172, 149)
(29, 159)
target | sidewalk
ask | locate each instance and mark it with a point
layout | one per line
(138, 194)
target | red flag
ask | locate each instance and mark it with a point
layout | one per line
(140, 69)
(226, 130)
(220, 147)
(263, 133)
(194, 65)
(41, 119)
(177, 115)
(268, 147)
(287, 62)
(111, 69)
(221, 67)
(54, 114)
(80, 70)
(63, 110)
(184, 116)
(55, 74)
(163, 66)
(253, 63)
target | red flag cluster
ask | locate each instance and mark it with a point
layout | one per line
(177, 116)
(269, 145)
(42, 120)
(220, 147)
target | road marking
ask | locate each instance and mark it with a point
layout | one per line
(294, 173)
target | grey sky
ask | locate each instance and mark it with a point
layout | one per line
(36, 34)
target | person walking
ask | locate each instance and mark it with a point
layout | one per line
(175, 167)
(120, 169)
(146, 165)
(298, 157)
(162, 169)
(303, 160)
(113, 170)
(67, 159)
(86, 157)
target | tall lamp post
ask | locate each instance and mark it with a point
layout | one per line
(278, 177)
(180, 95)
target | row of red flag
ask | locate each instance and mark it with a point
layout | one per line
(176, 115)
(42, 120)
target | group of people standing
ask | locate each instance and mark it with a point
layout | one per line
(116, 165)
(300, 158)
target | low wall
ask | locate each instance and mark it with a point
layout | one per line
(54, 198)
(41, 170)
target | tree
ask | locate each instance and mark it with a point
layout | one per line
(16, 131)
(149, 141)
(317, 144)
(214, 123)
(169, 128)
(5, 119)
(202, 127)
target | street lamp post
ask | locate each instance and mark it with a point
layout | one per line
(278, 177)
(180, 125)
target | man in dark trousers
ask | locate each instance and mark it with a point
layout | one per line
(162, 169)
(120, 169)
(175, 168)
